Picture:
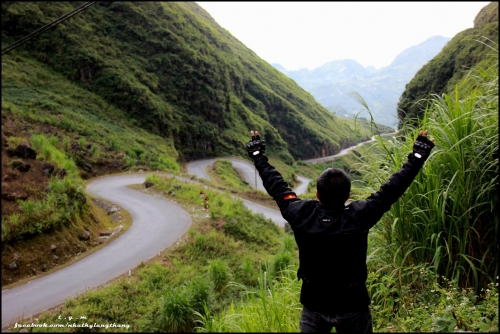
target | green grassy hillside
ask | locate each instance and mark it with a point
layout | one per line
(127, 87)
(432, 261)
(467, 50)
(72, 130)
(173, 70)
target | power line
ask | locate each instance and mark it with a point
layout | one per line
(47, 27)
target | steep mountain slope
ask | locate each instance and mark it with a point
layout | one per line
(174, 70)
(467, 50)
(332, 83)
(129, 87)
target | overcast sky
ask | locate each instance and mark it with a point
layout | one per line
(309, 34)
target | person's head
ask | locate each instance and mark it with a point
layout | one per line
(333, 187)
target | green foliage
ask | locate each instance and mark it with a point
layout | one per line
(153, 178)
(289, 244)
(168, 164)
(54, 141)
(285, 258)
(96, 121)
(219, 274)
(95, 151)
(66, 198)
(448, 216)
(129, 162)
(176, 314)
(274, 307)
(169, 68)
(201, 293)
(240, 222)
(240, 228)
(487, 14)
(82, 142)
(282, 261)
(421, 306)
(228, 175)
(427, 304)
(65, 144)
(50, 153)
(65, 201)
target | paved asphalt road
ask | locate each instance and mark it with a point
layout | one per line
(341, 153)
(246, 169)
(157, 223)
(302, 187)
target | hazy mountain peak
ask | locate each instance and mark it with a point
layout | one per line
(421, 53)
(280, 68)
(331, 83)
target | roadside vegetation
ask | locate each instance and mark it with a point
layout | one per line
(424, 307)
(65, 199)
(351, 163)
(80, 141)
(226, 244)
(433, 258)
(96, 128)
(235, 270)
(448, 217)
(227, 177)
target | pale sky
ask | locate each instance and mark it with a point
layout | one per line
(309, 34)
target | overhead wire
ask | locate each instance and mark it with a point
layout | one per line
(47, 27)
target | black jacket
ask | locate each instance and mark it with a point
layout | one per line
(333, 242)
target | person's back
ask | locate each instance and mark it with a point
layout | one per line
(332, 254)
(333, 238)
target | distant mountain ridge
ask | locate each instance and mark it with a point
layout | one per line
(381, 88)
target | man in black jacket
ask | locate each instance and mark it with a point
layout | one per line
(333, 238)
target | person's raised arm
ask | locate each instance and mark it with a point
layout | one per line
(380, 202)
(272, 180)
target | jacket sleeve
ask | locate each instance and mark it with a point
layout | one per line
(373, 208)
(275, 186)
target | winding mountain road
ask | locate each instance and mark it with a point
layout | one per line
(245, 168)
(341, 153)
(344, 151)
(247, 171)
(157, 223)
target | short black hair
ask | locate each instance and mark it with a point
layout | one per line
(333, 187)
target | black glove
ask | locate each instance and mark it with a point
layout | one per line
(256, 147)
(422, 148)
